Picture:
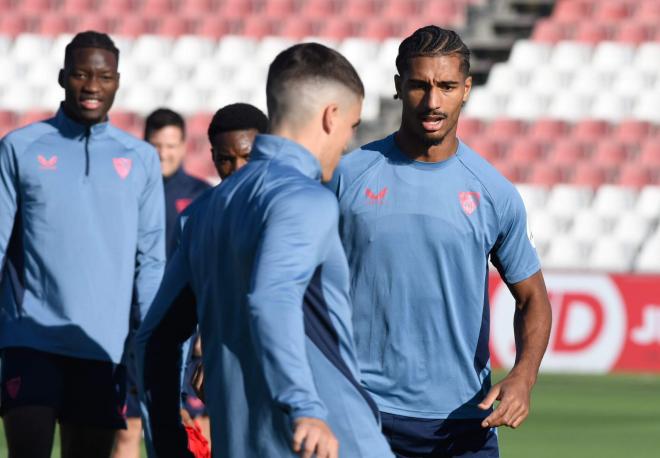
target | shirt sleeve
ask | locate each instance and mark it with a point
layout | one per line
(514, 253)
(292, 245)
(150, 255)
(170, 321)
(8, 196)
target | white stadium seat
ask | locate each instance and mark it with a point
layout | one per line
(150, 48)
(590, 81)
(611, 200)
(612, 56)
(29, 47)
(526, 105)
(611, 255)
(630, 82)
(189, 50)
(569, 106)
(533, 196)
(646, 107)
(648, 202)
(269, 47)
(359, 51)
(483, 104)
(20, 97)
(647, 57)
(185, 99)
(529, 54)
(589, 225)
(166, 75)
(571, 55)
(140, 98)
(611, 107)
(505, 79)
(566, 253)
(566, 201)
(548, 80)
(209, 74)
(233, 49)
(648, 260)
(632, 227)
(544, 225)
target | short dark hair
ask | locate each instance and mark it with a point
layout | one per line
(432, 41)
(163, 117)
(90, 39)
(237, 116)
(308, 61)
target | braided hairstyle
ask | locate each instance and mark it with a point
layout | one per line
(432, 41)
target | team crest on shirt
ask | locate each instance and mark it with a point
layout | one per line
(376, 197)
(469, 201)
(13, 387)
(122, 166)
(47, 164)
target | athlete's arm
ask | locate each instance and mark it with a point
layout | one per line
(150, 253)
(171, 320)
(8, 197)
(291, 248)
(531, 325)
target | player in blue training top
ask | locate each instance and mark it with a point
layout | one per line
(266, 266)
(420, 216)
(82, 233)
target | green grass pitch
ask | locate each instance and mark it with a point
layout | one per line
(580, 416)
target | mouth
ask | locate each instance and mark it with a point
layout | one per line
(432, 123)
(90, 103)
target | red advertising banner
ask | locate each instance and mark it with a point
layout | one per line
(601, 323)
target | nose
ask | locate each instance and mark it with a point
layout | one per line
(91, 84)
(433, 97)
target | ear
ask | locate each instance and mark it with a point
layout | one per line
(118, 79)
(468, 88)
(397, 86)
(330, 113)
(60, 78)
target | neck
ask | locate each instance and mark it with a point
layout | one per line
(418, 150)
(304, 137)
(73, 116)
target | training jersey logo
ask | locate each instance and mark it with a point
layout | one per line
(181, 204)
(47, 164)
(469, 201)
(377, 198)
(122, 166)
(13, 387)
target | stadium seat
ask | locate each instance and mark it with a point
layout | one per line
(296, 28)
(648, 11)
(53, 24)
(611, 11)
(358, 51)
(634, 175)
(469, 127)
(483, 104)
(590, 130)
(547, 129)
(632, 32)
(646, 107)
(566, 152)
(96, 22)
(545, 226)
(504, 78)
(504, 129)
(210, 26)
(399, 8)
(527, 54)
(590, 81)
(588, 224)
(566, 252)
(571, 55)
(612, 56)
(647, 57)
(591, 32)
(648, 202)
(257, 26)
(141, 98)
(189, 50)
(632, 228)
(549, 31)
(28, 47)
(37, 70)
(172, 26)
(35, 6)
(526, 105)
(131, 26)
(565, 201)
(609, 254)
(487, 148)
(358, 8)
(533, 196)
(269, 48)
(588, 174)
(546, 80)
(378, 29)
(510, 171)
(631, 131)
(650, 153)
(544, 175)
(185, 99)
(318, 9)
(22, 97)
(279, 9)
(609, 154)
(648, 260)
(630, 81)
(13, 24)
(338, 28)
(611, 200)
(233, 49)
(525, 152)
(569, 106)
(611, 107)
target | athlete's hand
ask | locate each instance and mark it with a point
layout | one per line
(313, 438)
(513, 393)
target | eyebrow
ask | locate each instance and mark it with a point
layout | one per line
(414, 80)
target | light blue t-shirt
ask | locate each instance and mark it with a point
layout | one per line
(418, 237)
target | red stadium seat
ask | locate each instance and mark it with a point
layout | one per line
(591, 32)
(77, 6)
(632, 32)
(469, 127)
(172, 26)
(195, 7)
(131, 26)
(570, 11)
(93, 22)
(510, 171)
(590, 130)
(117, 8)
(566, 152)
(634, 176)
(525, 152)
(400, 8)
(211, 26)
(13, 24)
(35, 6)
(7, 119)
(318, 9)
(123, 119)
(650, 153)
(200, 166)
(33, 116)
(547, 130)
(235, 9)
(611, 11)
(549, 31)
(257, 26)
(53, 24)
(441, 12)
(198, 123)
(544, 175)
(296, 27)
(648, 12)
(155, 8)
(338, 28)
(279, 8)
(358, 9)
(610, 154)
(505, 129)
(379, 29)
(488, 149)
(631, 131)
(588, 174)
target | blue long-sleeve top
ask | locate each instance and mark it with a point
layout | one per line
(263, 258)
(82, 236)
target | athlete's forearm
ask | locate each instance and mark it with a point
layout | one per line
(531, 324)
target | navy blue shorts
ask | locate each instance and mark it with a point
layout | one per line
(82, 391)
(419, 437)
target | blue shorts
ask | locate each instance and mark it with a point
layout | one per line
(82, 391)
(412, 437)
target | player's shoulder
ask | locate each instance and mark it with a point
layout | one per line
(19, 139)
(357, 161)
(492, 181)
(130, 142)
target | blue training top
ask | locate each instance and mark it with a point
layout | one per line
(82, 228)
(262, 256)
(418, 237)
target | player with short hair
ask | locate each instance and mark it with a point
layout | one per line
(265, 263)
(420, 216)
(82, 233)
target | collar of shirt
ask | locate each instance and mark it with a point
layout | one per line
(288, 152)
(397, 156)
(175, 176)
(74, 128)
